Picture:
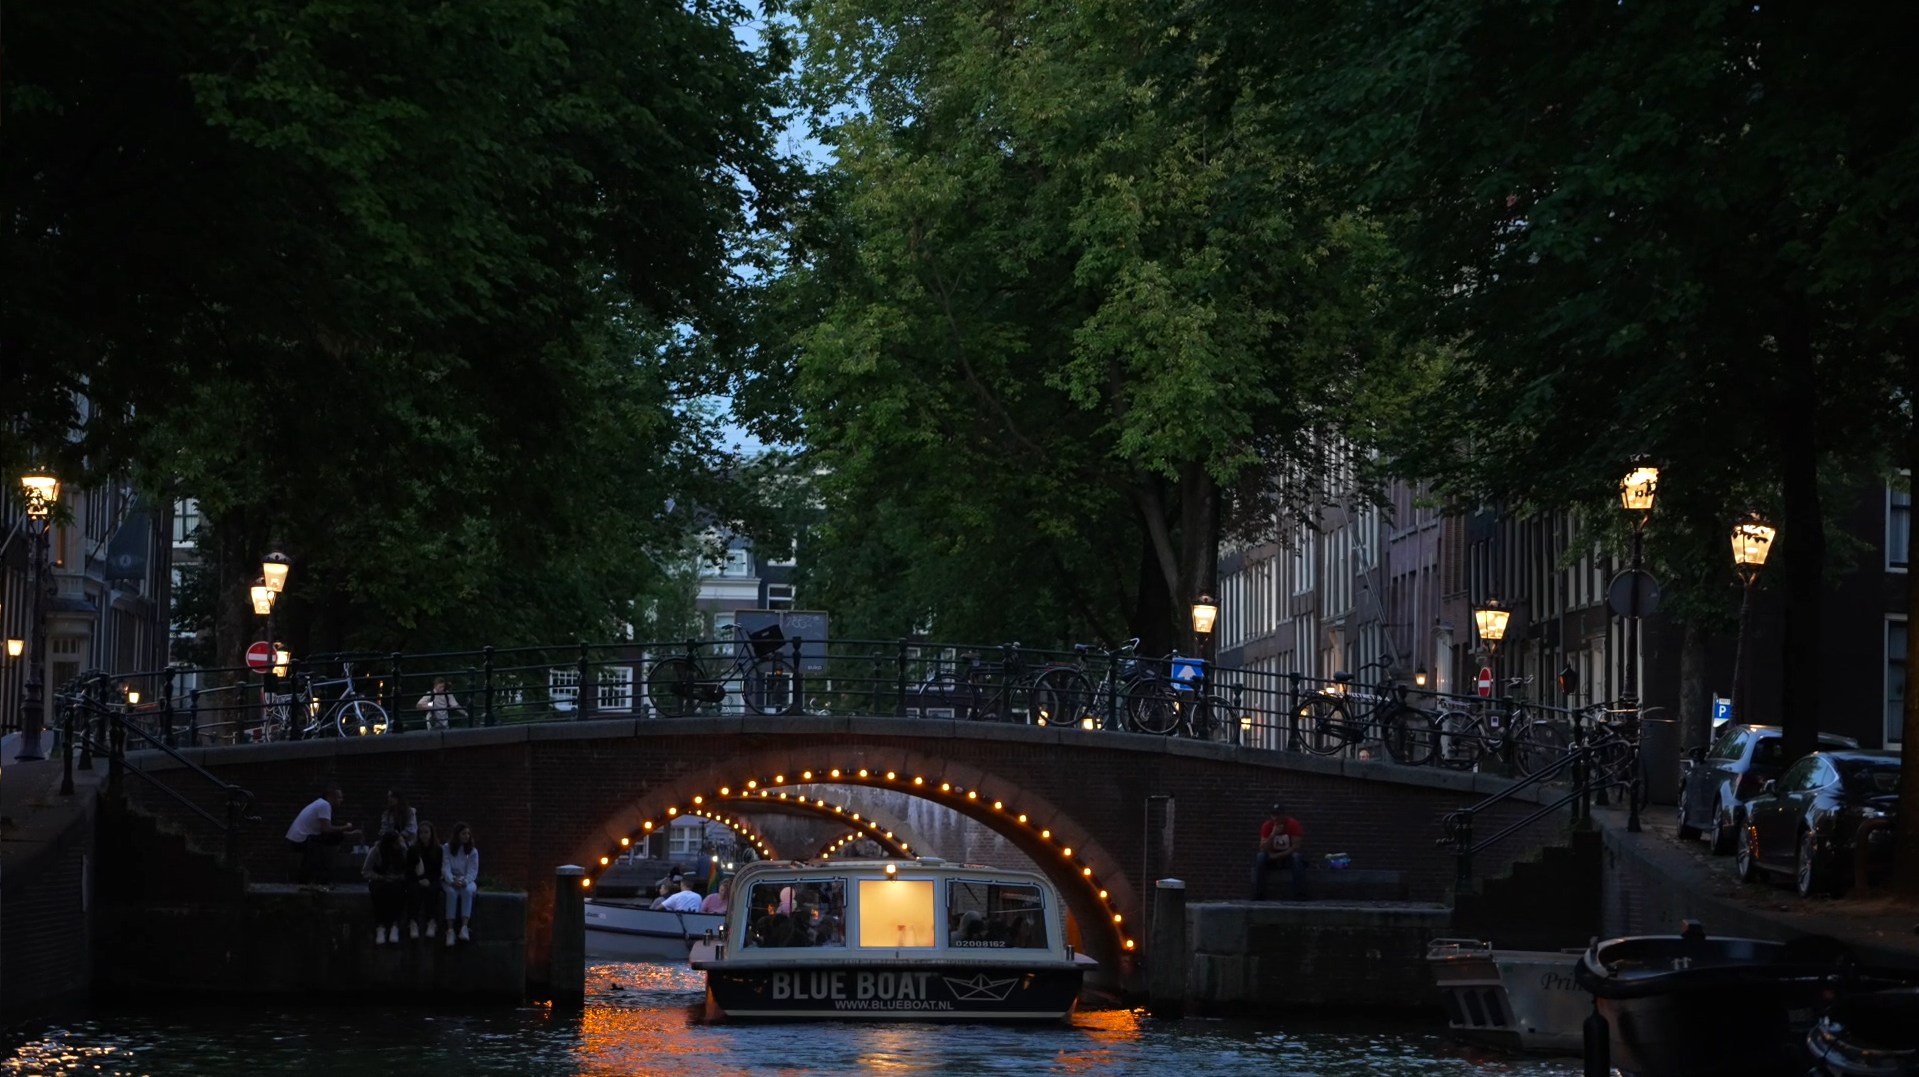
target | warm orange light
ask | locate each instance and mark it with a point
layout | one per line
(972, 794)
(605, 860)
(999, 805)
(1129, 944)
(890, 775)
(752, 784)
(725, 792)
(648, 825)
(779, 779)
(806, 775)
(862, 772)
(917, 780)
(624, 842)
(1022, 817)
(856, 815)
(836, 772)
(699, 800)
(586, 884)
(672, 811)
(1047, 834)
(1088, 872)
(1117, 918)
(1067, 852)
(946, 787)
(1102, 895)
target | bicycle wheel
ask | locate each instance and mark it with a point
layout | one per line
(1212, 718)
(1540, 743)
(1060, 696)
(359, 718)
(673, 686)
(1411, 737)
(768, 687)
(1153, 707)
(1322, 726)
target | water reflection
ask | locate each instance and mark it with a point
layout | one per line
(647, 1019)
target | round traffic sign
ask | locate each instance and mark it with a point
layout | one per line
(1485, 683)
(1633, 593)
(260, 655)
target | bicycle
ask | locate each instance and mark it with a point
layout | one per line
(1152, 703)
(1325, 724)
(1007, 691)
(1467, 735)
(350, 714)
(680, 685)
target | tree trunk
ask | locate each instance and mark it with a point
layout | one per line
(1198, 547)
(1152, 610)
(1695, 711)
(1802, 534)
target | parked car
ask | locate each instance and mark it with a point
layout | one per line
(1716, 784)
(1806, 822)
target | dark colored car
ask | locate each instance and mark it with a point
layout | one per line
(1716, 784)
(1808, 821)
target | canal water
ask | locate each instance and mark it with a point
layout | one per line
(644, 1019)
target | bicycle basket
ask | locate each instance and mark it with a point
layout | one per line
(767, 641)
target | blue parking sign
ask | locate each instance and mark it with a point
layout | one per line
(1721, 710)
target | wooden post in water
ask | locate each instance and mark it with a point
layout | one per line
(1166, 969)
(566, 962)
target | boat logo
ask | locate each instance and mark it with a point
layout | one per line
(981, 989)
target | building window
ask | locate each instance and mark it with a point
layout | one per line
(1898, 526)
(186, 521)
(685, 839)
(779, 596)
(1895, 681)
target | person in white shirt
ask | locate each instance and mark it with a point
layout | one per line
(687, 900)
(459, 874)
(439, 704)
(314, 832)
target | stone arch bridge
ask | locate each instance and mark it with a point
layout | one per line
(1103, 814)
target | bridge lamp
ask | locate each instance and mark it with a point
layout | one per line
(1638, 489)
(16, 647)
(1205, 616)
(1419, 677)
(133, 697)
(273, 571)
(263, 597)
(1491, 619)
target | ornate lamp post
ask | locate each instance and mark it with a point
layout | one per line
(1636, 493)
(41, 492)
(1751, 542)
(1491, 618)
(1205, 616)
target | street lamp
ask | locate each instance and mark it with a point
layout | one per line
(1634, 593)
(273, 571)
(41, 492)
(15, 647)
(263, 598)
(1751, 542)
(1491, 618)
(1419, 677)
(1205, 614)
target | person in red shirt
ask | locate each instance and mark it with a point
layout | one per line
(1281, 841)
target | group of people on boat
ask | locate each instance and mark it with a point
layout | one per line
(813, 915)
(412, 876)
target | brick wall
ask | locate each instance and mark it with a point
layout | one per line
(46, 936)
(540, 796)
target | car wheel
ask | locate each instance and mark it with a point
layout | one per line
(1812, 875)
(1744, 864)
(1725, 828)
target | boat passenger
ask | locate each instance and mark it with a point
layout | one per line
(686, 899)
(716, 901)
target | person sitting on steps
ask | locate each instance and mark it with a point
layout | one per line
(386, 879)
(313, 834)
(424, 862)
(460, 872)
(1281, 841)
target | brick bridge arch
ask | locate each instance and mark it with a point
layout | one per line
(546, 794)
(893, 836)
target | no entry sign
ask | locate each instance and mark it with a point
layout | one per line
(1485, 682)
(260, 655)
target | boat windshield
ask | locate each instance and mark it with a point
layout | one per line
(994, 915)
(798, 912)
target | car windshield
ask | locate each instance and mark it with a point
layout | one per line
(1869, 777)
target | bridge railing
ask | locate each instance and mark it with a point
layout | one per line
(1089, 688)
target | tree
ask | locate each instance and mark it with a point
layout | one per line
(417, 292)
(1059, 322)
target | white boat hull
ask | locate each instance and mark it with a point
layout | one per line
(1524, 999)
(620, 932)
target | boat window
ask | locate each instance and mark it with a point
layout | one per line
(995, 916)
(897, 914)
(798, 912)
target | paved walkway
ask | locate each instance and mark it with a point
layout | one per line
(1866, 922)
(33, 811)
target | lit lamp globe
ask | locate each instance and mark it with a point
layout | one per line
(41, 491)
(1491, 619)
(16, 647)
(1205, 615)
(1751, 542)
(262, 598)
(1638, 488)
(273, 571)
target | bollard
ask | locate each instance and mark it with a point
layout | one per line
(566, 962)
(487, 668)
(1598, 1053)
(1166, 949)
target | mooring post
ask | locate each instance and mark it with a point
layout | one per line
(1166, 951)
(566, 962)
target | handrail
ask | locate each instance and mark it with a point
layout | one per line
(1457, 825)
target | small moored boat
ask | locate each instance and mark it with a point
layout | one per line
(620, 930)
(891, 940)
(1522, 1000)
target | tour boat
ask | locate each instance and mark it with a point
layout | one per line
(618, 930)
(1523, 1000)
(891, 940)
